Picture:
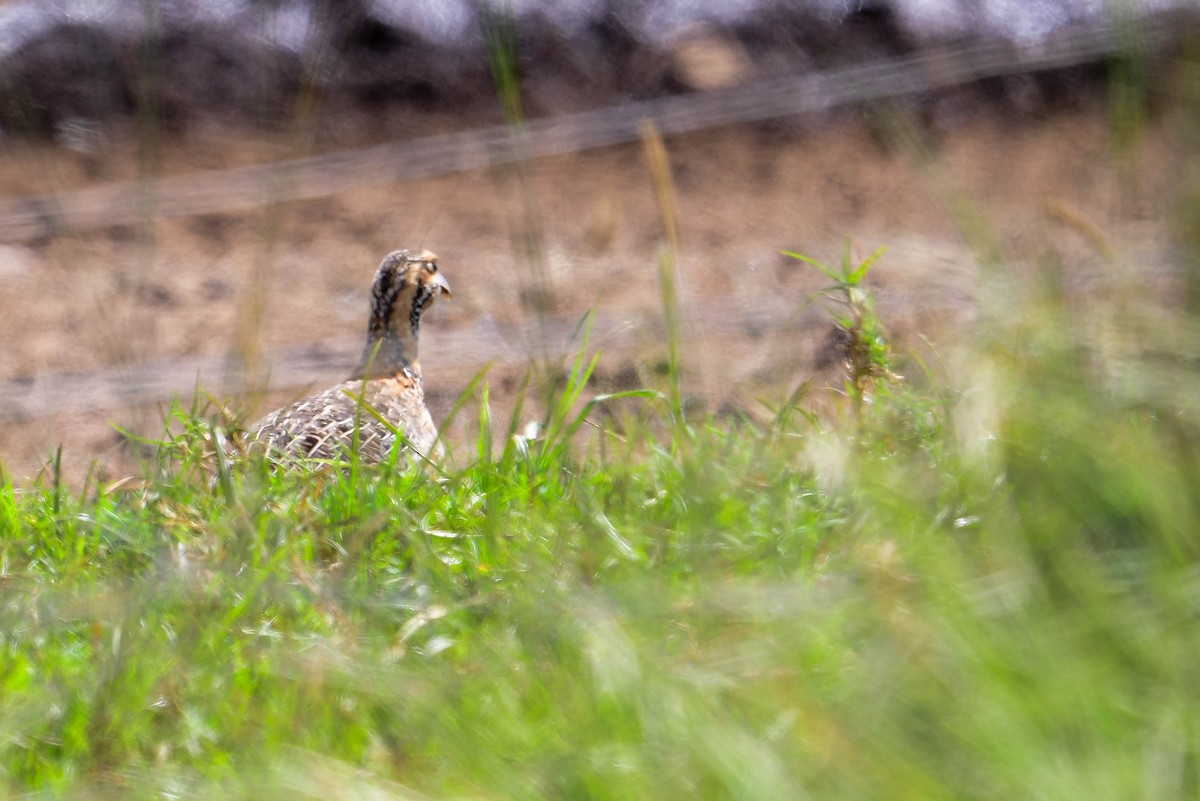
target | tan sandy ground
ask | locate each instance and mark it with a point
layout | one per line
(182, 289)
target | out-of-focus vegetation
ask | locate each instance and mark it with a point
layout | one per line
(986, 587)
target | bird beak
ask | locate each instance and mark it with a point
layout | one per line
(439, 282)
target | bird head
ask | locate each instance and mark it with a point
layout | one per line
(406, 284)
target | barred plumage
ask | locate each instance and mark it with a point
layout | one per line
(385, 386)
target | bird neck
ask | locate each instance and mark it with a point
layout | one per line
(387, 354)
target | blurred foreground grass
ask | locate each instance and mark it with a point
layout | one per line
(980, 585)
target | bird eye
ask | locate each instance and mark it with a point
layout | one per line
(431, 267)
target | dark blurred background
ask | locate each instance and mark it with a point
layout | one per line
(72, 65)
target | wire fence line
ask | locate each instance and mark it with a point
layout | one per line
(40, 216)
(467, 348)
(23, 218)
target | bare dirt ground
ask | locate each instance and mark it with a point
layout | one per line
(293, 278)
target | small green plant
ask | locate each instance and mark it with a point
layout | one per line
(867, 355)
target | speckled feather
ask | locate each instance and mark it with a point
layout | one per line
(323, 426)
(330, 424)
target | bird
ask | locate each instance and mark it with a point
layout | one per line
(384, 394)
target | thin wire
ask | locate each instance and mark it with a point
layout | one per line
(39, 216)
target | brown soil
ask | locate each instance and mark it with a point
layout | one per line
(294, 276)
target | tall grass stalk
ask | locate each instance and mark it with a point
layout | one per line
(516, 177)
(668, 261)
